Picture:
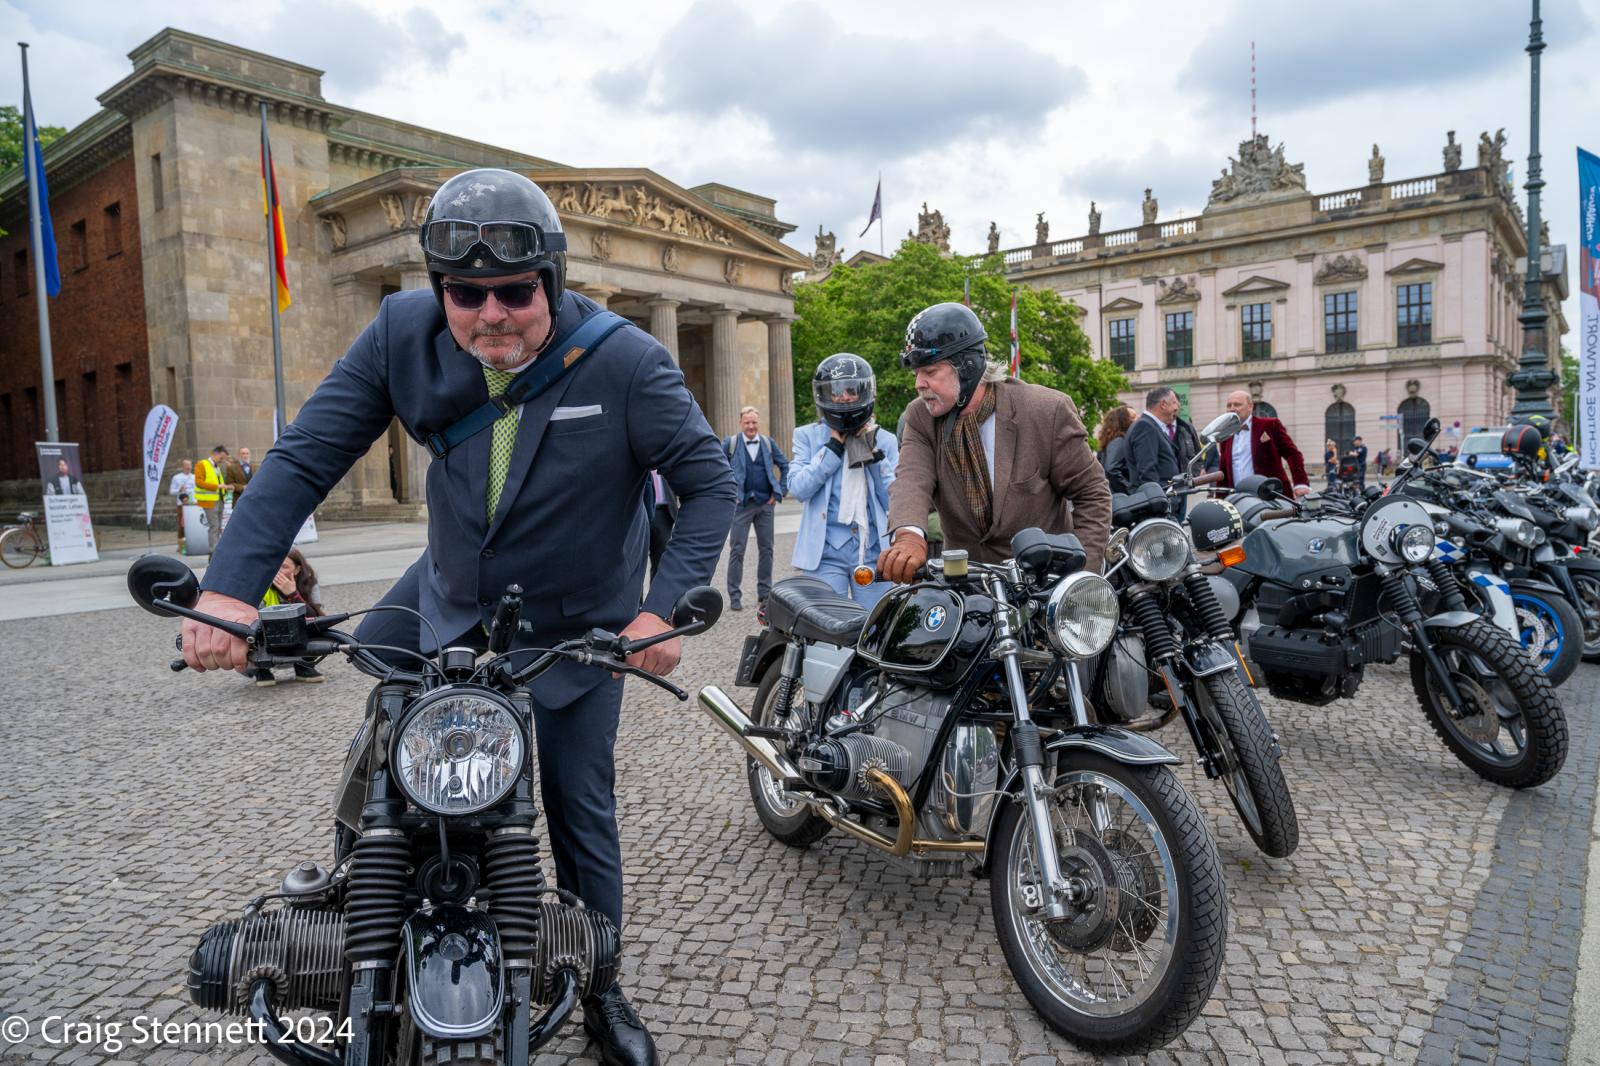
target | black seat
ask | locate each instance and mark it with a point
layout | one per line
(806, 608)
(1147, 501)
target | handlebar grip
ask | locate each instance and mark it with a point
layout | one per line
(1283, 512)
(1209, 479)
(178, 665)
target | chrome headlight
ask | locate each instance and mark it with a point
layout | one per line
(1585, 518)
(1520, 530)
(1081, 614)
(459, 751)
(1413, 543)
(1158, 550)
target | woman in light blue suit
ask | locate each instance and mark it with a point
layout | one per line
(842, 468)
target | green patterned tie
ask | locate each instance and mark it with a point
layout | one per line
(505, 438)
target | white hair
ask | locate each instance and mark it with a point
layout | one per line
(748, 411)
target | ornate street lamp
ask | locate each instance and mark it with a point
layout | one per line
(1533, 376)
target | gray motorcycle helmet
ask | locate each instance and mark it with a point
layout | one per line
(503, 224)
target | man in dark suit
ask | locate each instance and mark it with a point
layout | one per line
(246, 466)
(1262, 446)
(547, 496)
(1360, 448)
(753, 456)
(1153, 439)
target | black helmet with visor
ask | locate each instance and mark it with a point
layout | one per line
(948, 331)
(489, 223)
(845, 391)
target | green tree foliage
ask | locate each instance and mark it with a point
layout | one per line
(865, 310)
(11, 137)
(1570, 391)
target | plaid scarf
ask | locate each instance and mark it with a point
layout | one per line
(968, 460)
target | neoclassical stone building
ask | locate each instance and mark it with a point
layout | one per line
(157, 209)
(1361, 311)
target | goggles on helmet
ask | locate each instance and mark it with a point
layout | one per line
(510, 242)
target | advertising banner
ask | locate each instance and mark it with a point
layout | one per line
(159, 425)
(66, 508)
(1588, 415)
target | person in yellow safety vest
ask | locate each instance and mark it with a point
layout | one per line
(208, 486)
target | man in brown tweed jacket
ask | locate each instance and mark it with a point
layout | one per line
(992, 454)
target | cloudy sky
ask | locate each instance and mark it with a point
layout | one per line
(987, 112)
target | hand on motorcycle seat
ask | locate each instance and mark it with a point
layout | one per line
(902, 559)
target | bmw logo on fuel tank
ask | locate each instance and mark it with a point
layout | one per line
(935, 617)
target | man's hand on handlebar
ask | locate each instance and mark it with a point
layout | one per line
(208, 648)
(1301, 490)
(903, 558)
(659, 659)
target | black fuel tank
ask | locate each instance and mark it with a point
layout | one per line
(927, 634)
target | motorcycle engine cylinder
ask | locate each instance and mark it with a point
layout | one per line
(839, 764)
(300, 949)
(579, 939)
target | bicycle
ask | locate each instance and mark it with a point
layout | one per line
(22, 543)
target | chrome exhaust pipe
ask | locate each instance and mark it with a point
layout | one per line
(737, 725)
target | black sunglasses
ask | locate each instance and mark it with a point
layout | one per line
(513, 297)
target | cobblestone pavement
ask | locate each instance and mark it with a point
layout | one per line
(142, 806)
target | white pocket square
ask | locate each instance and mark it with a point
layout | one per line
(561, 414)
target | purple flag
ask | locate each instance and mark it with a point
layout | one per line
(877, 209)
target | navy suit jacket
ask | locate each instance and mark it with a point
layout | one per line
(739, 456)
(571, 527)
(1151, 454)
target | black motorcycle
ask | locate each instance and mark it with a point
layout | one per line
(1175, 649)
(1323, 597)
(950, 723)
(433, 937)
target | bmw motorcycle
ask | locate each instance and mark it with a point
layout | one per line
(1175, 648)
(1323, 597)
(951, 724)
(433, 937)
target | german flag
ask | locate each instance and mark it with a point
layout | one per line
(273, 210)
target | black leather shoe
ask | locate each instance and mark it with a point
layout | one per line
(611, 1022)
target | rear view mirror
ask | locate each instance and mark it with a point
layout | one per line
(1222, 427)
(1430, 430)
(1416, 446)
(702, 604)
(155, 578)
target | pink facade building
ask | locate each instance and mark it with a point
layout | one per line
(1359, 312)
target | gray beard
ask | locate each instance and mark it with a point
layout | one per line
(515, 358)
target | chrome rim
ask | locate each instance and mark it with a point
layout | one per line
(1493, 725)
(1538, 629)
(1115, 973)
(780, 801)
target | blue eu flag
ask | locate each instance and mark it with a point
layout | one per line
(47, 233)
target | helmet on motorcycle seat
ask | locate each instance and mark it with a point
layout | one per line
(948, 331)
(488, 222)
(1215, 524)
(1523, 442)
(844, 390)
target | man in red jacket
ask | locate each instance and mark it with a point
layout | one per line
(1263, 447)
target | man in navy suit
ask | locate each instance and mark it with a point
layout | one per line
(758, 489)
(550, 497)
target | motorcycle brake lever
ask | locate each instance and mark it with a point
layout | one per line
(644, 675)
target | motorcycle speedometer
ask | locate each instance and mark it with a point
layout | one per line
(460, 749)
(1158, 549)
(1081, 614)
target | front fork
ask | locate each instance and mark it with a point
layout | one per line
(1037, 793)
(1405, 603)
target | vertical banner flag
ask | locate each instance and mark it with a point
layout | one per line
(1589, 310)
(877, 209)
(1016, 347)
(274, 211)
(66, 508)
(47, 230)
(159, 425)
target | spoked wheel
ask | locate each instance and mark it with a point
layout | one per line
(1589, 593)
(1236, 728)
(19, 548)
(785, 815)
(1136, 958)
(1513, 731)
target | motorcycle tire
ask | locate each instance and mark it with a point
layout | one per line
(796, 825)
(1251, 772)
(489, 1050)
(1589, 593)
(1505, 668)
(1196, 912)
(1558, 660)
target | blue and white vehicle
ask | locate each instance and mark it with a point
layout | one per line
(1483, 445)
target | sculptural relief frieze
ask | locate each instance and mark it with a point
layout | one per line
(636, 205)
(669, 259)
(338, 231)
(1342, 268)
(1259, 173)
(733, 271)
(394, 210)
(1178, 290)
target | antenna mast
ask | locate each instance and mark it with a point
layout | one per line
(1252, 89)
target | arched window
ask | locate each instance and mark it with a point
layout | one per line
(1265, 409)
(1413, 413)
(1340, 424)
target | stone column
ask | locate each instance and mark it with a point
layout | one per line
(664, 324)
(600, 294)
(780, 381)
(722, 371)
(413, 465)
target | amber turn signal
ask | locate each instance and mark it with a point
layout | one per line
(1231, 556)
(862, 575)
